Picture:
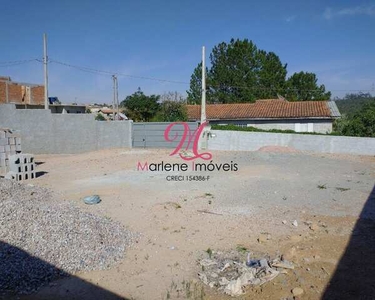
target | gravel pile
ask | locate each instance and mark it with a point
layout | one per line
(41, 239)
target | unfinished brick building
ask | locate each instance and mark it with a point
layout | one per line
(20, 93)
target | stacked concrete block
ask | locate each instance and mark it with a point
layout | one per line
(10, 144)
(22, 167)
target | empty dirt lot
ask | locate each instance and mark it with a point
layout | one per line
(328, 196)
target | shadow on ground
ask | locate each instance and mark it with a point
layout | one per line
(22, 272)
(40, 173)
(354, 277)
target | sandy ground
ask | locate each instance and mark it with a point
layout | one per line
(269, 188)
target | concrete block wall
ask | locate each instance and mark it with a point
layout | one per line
(22, 167)
(45, 133)
(252, 141)
(10, 144)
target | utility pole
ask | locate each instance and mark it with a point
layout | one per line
(45, 63)
(203, 103)
(114, 96)
(115, 106)
(203, 141)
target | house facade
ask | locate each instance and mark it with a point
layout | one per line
(300, 116)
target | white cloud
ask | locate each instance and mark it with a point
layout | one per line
(368, 10)
(290, 19)
(327, 13)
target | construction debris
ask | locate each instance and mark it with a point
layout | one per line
(22, 167)
(10, 144)
(13, 164)
(95, 199)
(42, 239)
(231, 272)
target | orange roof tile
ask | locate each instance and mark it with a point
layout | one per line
(262, 109)
(106, 110)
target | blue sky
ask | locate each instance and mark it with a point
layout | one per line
(163, 39)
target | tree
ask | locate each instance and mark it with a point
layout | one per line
(172, 96)
(354, 102)
(240, 72)
(303, 86)
(272, 75)
(357, 96)
(140, 107)
(195, 91)
(171, 111)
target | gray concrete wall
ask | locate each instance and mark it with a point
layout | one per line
(151, 134)
(319, 125)
(252, 141)
(45, 133)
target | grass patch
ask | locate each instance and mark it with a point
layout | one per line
(186, 290)
(254, 129)
(209, 252)
(342, 189)
(322, 186)
(241, 249)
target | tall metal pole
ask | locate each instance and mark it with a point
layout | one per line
(203, 104)
(114, 96)
(117, 103)
(45, 63)
(203, 139)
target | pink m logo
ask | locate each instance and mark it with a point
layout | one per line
(192, 137)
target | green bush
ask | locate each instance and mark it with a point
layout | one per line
(361, 123)
(254, 129)
(100, 117)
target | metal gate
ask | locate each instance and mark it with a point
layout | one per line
(151, 134)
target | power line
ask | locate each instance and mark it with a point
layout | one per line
(89, 70)
(110, 73)
(16, 62)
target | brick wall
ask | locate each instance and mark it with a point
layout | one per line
(15, 93)
(37, 95)
(18, 93)
(2, 92)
